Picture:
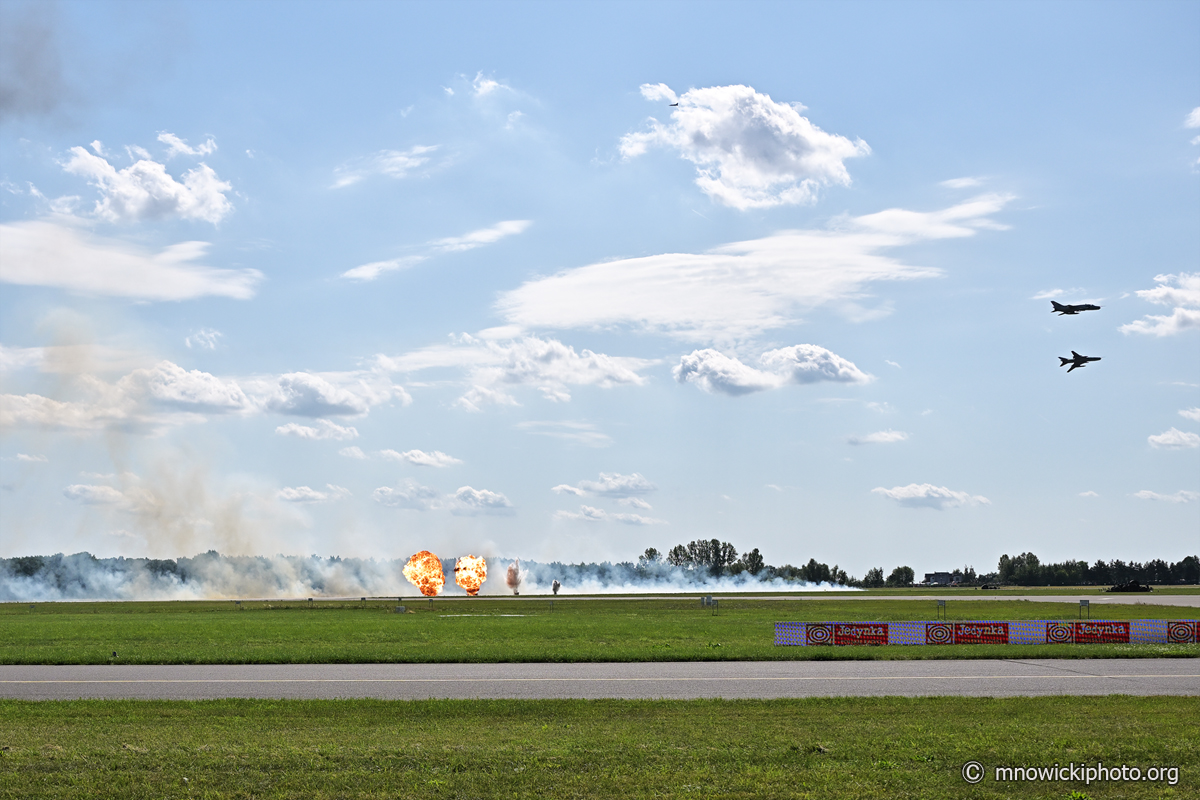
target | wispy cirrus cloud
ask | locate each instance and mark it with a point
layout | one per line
(591, 514)
(749, 150)
(62, 255)
(738, 291)
(1182, 496)
(926, 495)
(203, 339)
(452, 244)
(879, 437)
(962, 183)
(575, 432)
(396, 164)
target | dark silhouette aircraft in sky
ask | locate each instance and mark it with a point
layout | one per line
(1063, 310)
(1076, 361)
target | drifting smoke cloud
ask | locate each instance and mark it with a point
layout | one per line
(211, 575)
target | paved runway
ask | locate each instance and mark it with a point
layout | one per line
(673, 680)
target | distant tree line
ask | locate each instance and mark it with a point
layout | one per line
(1027, 570)
(717, 558)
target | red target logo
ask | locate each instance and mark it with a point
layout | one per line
(1058, 634)
(818, 634)
(1179, 632)
(937, 633)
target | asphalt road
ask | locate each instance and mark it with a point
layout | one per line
(671, 680)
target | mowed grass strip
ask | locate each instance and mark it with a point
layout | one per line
(819, 748)
(485, 630)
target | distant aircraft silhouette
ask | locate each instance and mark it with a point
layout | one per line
(672, 105)
(1065, 310)
(1077, 361)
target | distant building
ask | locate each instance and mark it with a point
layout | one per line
(939, 578)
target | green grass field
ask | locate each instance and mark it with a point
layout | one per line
(506, 630)
(820, 748)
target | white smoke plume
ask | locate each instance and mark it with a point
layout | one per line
(211, 575)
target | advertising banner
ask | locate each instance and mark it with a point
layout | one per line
(1035, 631)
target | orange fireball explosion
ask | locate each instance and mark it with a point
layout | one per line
(470, 572)
(424, 571)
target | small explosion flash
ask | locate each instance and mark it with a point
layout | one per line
(513, 578)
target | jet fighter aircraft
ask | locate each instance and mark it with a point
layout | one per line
(1076, 361)
(1065, 310)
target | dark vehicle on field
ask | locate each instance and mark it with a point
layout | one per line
(1131, 586)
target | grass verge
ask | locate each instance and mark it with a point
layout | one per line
(506, 630)
(842, 747)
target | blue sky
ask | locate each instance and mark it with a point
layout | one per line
(362, 279)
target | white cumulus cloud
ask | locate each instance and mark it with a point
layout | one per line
(610, 484)
(62, 256)
(1181, 291)
(1174, 439)
(145, 190)
(737, 291)
(469, 501)
(749, 151)
(92, 495)
(546, 364)
(308, 395)
(408, 494)
(926, 495)
(305, 494)
(320, 429)
(879, 437)
(1190, 413)
(353, 452)
(171, 385)
(714, 371)
(166, 394)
